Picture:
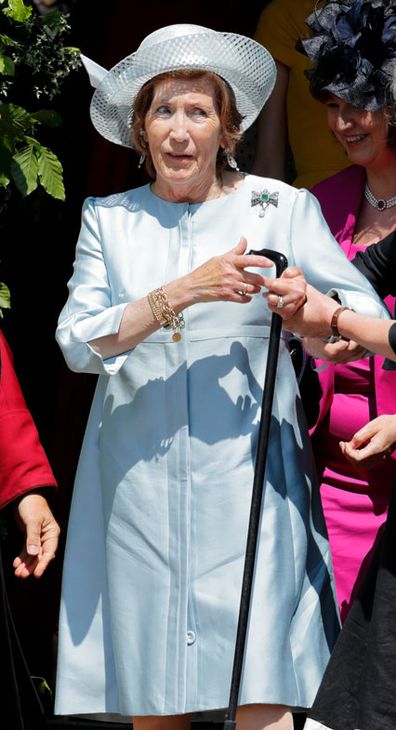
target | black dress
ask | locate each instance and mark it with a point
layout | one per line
(358, 690)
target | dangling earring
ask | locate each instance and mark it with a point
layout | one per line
(231, 161)
(143, 144)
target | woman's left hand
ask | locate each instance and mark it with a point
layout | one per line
(288, 294)
(371, 444)
(304, 309)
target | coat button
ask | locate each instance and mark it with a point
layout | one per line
(191, 637)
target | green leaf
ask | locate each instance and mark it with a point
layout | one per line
(24, 169)
(51, 173)
(18, 11)
(5, 165)
(6, 41)
(54, 18)
(7, 66)
(5, 298)
(48, 117)
(14, 120)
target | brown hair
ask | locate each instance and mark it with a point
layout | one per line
(390, 113)
(324, 96)
(230, 118)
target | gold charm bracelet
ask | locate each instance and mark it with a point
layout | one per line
(164, 313)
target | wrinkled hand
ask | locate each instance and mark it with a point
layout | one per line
(314, 317)
(224, 278)
(336, 352)
(36, 520)
(288, 294)
(371, 444)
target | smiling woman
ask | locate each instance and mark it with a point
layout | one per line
(365, 135)
(353, 50)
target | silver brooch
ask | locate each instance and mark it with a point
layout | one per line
(264, 198)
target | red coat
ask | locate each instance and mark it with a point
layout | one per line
(23, 463)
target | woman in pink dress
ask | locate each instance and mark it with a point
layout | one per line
(353, 79)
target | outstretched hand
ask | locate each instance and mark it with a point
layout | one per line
(41, 532)
(224, 278)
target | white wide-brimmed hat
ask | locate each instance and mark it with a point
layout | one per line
(245, 64)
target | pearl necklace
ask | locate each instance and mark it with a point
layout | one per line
(380, 204)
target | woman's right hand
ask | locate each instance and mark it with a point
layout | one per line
(372, 443)
(224, 278)
(334, 352)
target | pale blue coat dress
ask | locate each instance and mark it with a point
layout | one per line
(158, 522)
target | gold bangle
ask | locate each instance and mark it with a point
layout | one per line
(164, 313)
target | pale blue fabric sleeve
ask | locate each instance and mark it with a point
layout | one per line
(89, 312)
(324, 263)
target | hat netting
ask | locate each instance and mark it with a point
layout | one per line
(246, 65)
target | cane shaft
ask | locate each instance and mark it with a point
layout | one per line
(257, 495)
(254, 519)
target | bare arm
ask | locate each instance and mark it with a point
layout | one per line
(271, 130)
(314, 318)
(371, 333)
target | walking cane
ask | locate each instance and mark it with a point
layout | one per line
(257, 494)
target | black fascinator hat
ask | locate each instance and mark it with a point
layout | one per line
(353, 49)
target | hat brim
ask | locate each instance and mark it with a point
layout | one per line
(243, 63)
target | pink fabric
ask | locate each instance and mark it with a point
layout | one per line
(354, 501)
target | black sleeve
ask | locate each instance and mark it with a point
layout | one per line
(392, 337)
(378, 264)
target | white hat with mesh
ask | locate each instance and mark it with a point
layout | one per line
(246, 65)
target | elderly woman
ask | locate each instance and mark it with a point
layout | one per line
(165, 306)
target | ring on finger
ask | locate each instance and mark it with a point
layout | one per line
(280, 303)
(243, 292)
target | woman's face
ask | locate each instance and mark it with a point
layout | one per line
(363, 134)
(183, 131)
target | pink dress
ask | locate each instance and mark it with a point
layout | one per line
(355, 502)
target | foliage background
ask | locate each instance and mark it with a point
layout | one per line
(34, 62)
